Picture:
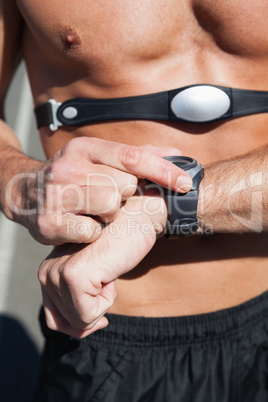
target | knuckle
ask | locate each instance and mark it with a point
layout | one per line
(49, 233)
(130, 188)
(111, 203)
(42, 273)
(86, 236)
(58, 155)
(50, 323)
(131, 156)
(43, 226)
(164, 171)
(95, 232)
(83, 316)
(134, 205)
(72, 145)
(86, 232)
(83, 322)
(94, 141)
(68, 274)
(58, 169)
(83, 232)
(75, 145)
(53, 275)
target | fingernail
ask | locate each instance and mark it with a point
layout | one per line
(184, 183)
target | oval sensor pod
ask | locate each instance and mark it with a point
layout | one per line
(200, 103)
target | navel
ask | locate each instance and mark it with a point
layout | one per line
(70, 38)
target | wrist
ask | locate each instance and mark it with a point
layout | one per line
(226, 202)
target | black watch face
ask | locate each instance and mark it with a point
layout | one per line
(180, 164)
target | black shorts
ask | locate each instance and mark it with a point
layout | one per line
(215, 357)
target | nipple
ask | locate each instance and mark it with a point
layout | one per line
(70, 38)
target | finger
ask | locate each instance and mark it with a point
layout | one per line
(82, 304)
(56, 322)
(136, 161)
(66, 176)
(65, 279)
(103, 202)
(100, 324)
(70, 228)
(106, 176)
(125, 241)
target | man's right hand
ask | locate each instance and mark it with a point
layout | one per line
(84, 184)
(78, 281)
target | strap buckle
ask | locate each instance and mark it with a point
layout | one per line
(55, 121)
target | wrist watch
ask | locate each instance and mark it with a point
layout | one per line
(182, 207)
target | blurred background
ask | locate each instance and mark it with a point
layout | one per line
(20, 256)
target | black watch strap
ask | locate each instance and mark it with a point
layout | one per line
(182, 219)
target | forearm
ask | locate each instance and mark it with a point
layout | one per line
(234, 194)
(12, 163)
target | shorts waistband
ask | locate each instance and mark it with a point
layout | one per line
(229, 323)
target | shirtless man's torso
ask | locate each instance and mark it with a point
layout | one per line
(115, 49)
(101, 49)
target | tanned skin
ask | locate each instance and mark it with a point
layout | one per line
(124, 48)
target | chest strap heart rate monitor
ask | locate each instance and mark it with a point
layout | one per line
(201, 103)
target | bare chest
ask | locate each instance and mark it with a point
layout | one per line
(102, 32)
